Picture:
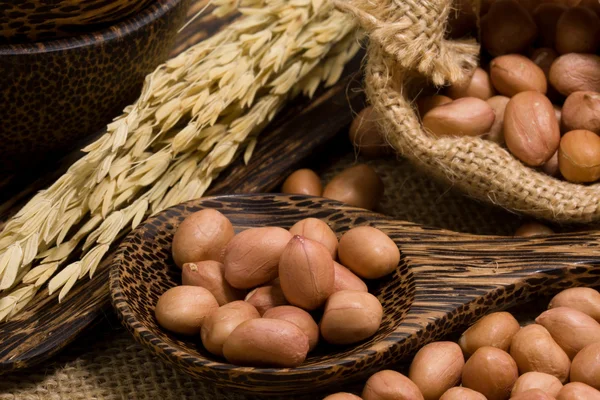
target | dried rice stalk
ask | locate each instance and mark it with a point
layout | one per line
(196, 113)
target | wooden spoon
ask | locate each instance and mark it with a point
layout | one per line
(445, 281)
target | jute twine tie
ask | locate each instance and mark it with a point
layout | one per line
(407, 50)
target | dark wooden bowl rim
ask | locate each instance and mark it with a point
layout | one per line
(150, 13)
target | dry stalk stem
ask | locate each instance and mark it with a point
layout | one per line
(196, 113)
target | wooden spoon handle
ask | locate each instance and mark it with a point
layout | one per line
(459, 277)
(447, 280)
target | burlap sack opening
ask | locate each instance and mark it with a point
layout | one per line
(406, 48)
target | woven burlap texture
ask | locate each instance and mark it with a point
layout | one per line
(406, 50)
(106, 363)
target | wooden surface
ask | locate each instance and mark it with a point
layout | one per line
(45, 327)
(445, 281)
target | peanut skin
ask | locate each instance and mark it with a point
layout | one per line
(342, 396)
(303, 181)
(467, 116)
(298, 317)
(183, 309)
(496, 330)
(427, 103)
(533, 229)
(368, 252)
(491, 372)
(543, 58)
(496, 132)
(477, 85)
(579, 156)
(436, 368)
(202, 236)
(513, 73)
(390, 385)
(578, 391)
(583, 299)
(266, 297)
(549, 384)
(546, 17)
(462, 393)
(364, 134)
(211, 276)
(574, 72)
(252, 256)
(533, 394)
(350, 316)
(581, 111)
(346, 280)
(317, 230)
(220, 323)
(586, 366)
(534, 350)
(358, 186)
(306, 273)
(531, 130)
(266, 342)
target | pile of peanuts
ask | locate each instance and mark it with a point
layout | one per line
(505, 361)
(536, 92)
(358, 186)
(253, 297)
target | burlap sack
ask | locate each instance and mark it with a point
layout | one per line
(407, 51)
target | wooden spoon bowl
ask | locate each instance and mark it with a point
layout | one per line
(143, 269)
(445, 281)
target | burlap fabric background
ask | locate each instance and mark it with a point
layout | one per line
(107, 363)
(407, 48)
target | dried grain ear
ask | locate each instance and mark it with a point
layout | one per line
(195, 114)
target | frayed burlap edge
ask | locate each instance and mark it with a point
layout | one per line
(410, 32)
(406, 40)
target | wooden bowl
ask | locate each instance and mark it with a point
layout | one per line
(56, 92)
(36, 20)
(143, 269)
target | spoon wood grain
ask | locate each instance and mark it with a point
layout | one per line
(45, 327)
(445, 280)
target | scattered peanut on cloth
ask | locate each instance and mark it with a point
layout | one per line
(357, 186)
(555, 358)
